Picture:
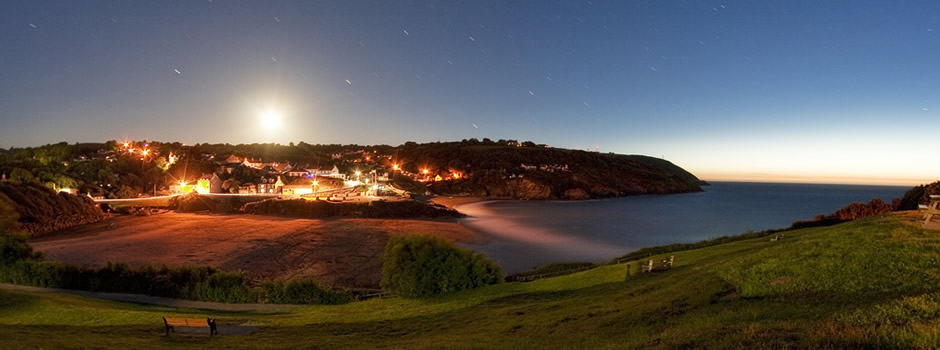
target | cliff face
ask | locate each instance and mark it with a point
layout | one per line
(520, 189)
(41, 211)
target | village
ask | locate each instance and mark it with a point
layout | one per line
(123, 170)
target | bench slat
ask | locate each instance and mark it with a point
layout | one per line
(187, 322)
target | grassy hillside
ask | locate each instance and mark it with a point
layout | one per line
(867, 283)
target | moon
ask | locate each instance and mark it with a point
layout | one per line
(271, 119)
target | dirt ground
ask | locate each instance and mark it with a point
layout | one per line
(338, 252)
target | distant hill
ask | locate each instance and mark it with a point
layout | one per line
(539, 172)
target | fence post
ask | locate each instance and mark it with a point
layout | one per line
(628, 272)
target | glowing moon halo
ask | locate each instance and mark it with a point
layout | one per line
(271, 119)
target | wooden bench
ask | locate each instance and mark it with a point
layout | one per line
(932, 209)
(171, 322)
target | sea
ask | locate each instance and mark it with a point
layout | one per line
(526, 234)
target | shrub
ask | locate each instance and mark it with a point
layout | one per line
(423, 265)
(918, 195)
(302, 291)
(14, 248)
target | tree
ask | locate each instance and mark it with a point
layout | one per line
(231, 185)
(21, 176)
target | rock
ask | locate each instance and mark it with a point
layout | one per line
(575, 193)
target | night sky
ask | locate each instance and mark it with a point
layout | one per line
(805, 91)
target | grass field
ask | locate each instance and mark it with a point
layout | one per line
(869, 283)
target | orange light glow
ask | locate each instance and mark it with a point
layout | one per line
(395, 166)
(425, 171)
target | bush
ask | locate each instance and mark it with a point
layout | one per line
(918, 195)
(423, 265)
(14, 248)
(302, 291)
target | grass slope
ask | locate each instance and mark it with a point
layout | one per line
(867, 283)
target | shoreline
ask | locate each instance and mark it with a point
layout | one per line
(454, 202)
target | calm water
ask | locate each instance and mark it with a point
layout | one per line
(525, 234)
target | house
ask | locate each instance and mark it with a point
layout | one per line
(270, 185)
(232, 159)
(251, 163)
(209, 184)
(248, 188)
(299, 172)
(327, 172)
(381, 176)
(297, 187)
(275, 167)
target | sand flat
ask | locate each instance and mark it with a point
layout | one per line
(338, 252)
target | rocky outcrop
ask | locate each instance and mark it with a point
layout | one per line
(575, 194)
(520, 189)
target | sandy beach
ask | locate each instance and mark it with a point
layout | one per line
(338, 252)
(454, 202)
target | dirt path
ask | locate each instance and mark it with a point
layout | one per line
(338, 252)
(151, 300)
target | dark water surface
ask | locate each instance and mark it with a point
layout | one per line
(531, 233)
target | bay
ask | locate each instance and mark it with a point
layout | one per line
(526, 234)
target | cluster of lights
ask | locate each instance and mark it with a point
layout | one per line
(144, 151)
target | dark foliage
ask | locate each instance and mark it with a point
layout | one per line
(14, 248)
(423, 265)
(850, 212)
(551, 269)
(919, 195)
(41, 210)
(302, 291)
